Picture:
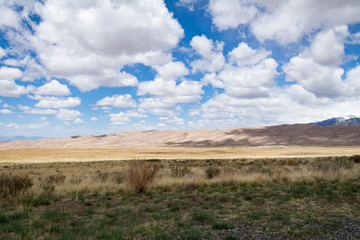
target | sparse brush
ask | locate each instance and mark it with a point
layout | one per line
(11, 186)
(212, 172)
(141, 175)
(177, 171)
(56, 178)
(355, 158)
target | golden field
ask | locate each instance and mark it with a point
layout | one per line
(85, 155)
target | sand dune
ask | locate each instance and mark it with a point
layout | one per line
(282, 135)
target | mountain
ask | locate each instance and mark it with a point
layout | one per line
(282, 135)
(340, 121)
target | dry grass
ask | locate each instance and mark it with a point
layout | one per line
(76, 155)
(104, 176)
(141, 175)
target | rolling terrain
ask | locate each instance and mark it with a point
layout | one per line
(282, 135)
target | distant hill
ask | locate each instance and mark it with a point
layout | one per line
(340, 121)
(283, 135)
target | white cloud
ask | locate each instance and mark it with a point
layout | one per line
(2, 52)
(29, 110)
(317, 67)
(323, 81)
(70, 39)
(57, 102)
(250, 81)
(5, 105)
(352, 81)
(9, 18)
(120, 101)
(78, 121)
(244, 55)
(172, 120)
(283, 21)
(43, 118)
(6, 111)
(122, 118)
(228, 14)
(288, 21)
(68, 115)
(93, 119)
(53, 88)
(157, 106)
(355, 38)
(119, 118)
(212, 58)
(13, 125)
(67, 123)
(328, 46)
(172, 70)
(11, 89)
(9, 74)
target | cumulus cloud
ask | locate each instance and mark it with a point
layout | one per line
(57, 102)
(93, 119)
(228, 14)
(68, 115)
(120, 101)
(172, 120)
(2, 52)
(328, 46)
(122, 118)
(53, 88)
(11, 89)
(10, 74)
(6, 111)
(283, 21)
(29, 110)
(78, 121)
(8, 86)
(244, 55)
(212, 58)
(70, 39)
(317, 67)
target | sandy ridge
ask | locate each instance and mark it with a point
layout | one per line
(282, 135)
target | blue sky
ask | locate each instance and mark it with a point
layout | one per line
(95, 67)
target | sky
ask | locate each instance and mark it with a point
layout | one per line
(105, 66)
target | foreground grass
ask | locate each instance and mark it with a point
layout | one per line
(298, 209)
(187, 207)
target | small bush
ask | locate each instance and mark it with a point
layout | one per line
(212, 172)
(355, 158)
(118, 177)
(11, 186)
(58, 178)
(177, 171)
(141, 175)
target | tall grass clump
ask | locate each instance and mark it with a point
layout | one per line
(212, 172)
(12, 186)
(141, 175)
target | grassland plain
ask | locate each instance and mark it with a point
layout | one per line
(233, 198)
(41, 155)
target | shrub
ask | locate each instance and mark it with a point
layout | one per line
(212, 172)
(58, 178)
(177, 171)
(141, 175)
(355, 158)
(11, 186)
